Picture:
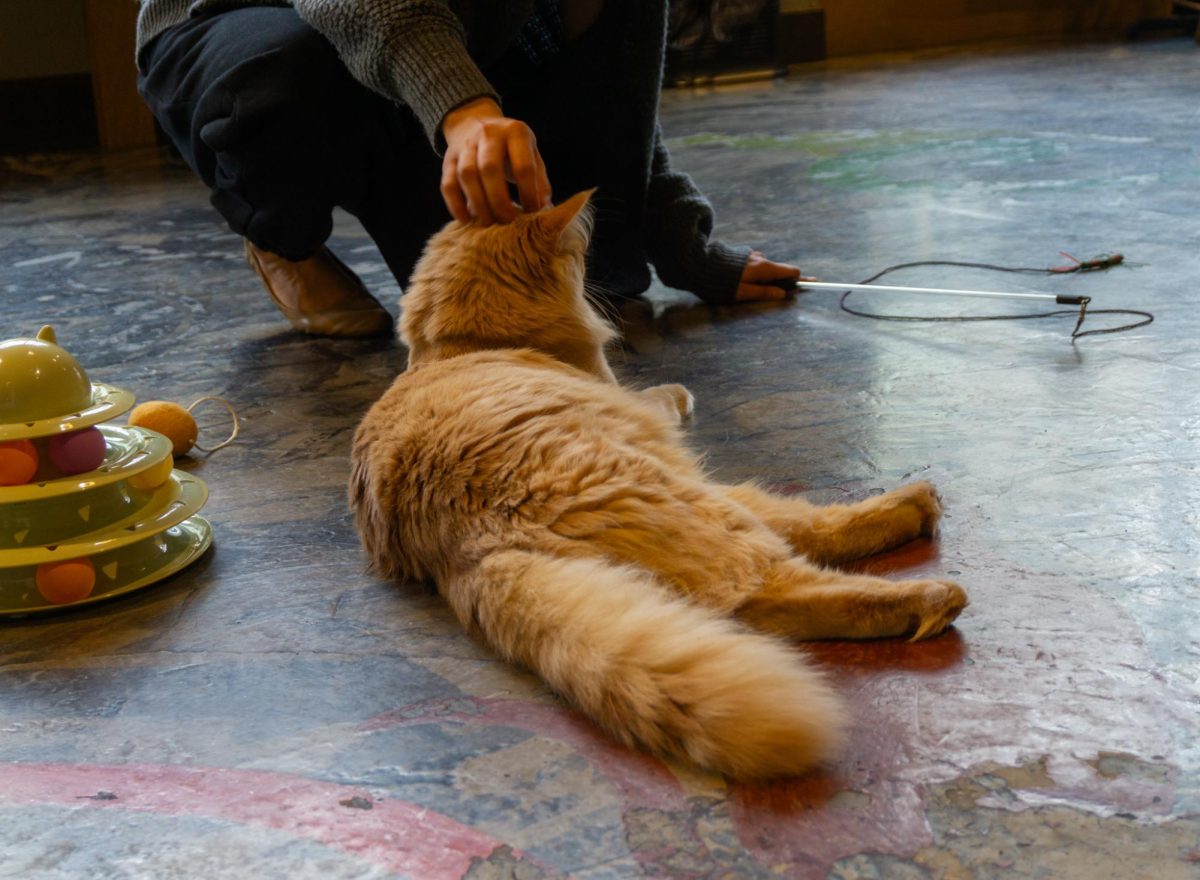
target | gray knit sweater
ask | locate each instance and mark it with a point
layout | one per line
(427, 54)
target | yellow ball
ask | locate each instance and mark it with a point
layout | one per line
(153, 477)
(168, 419)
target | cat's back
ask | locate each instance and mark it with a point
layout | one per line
(482, 393)
(499, 413)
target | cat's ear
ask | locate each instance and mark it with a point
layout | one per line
(555, 221)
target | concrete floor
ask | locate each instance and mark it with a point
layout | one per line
(274, 712)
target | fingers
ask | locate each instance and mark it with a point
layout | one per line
(543, 178)
(497, 202)
(452, 194)
(469, 183)
(528, 172)
(462, 188)
(759, 268)
(480, 162)
(760, 293)
(764, 280)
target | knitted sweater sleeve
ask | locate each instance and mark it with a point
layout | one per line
(679, 223)
(413, 51)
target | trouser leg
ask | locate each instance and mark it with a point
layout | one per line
(578, 16)
(263, 110)
(586, 123)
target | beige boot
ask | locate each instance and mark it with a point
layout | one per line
(320, 295)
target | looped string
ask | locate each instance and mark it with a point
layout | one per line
(1105, 261)
(237, 425)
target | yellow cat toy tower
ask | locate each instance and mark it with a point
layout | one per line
(88, 511)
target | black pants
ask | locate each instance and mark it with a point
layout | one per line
(263, 110)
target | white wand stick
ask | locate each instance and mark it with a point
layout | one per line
(1060, 298)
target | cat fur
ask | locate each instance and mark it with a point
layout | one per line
(569, 527)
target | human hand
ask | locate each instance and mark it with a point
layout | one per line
(485, 150)
(763, 279)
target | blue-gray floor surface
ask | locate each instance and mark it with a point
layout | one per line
(274, 711)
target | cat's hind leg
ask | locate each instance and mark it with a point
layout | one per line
(838, 533)
(651, 668)
(801, 601)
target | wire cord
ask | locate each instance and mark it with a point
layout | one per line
(1100, 263)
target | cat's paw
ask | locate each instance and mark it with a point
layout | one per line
(684, 402)
(924, 497)
(938, 603)
(677, 398)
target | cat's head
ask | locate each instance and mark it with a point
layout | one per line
(508, 285)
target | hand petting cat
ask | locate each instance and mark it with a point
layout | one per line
(486, 151)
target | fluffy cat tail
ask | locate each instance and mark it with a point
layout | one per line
(651, 669)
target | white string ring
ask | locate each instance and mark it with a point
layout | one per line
(237, 425)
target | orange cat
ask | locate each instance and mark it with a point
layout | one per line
(568, 526)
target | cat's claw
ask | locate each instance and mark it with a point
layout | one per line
(924, 496)
(941, 602)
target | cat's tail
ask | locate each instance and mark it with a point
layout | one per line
(651, 669)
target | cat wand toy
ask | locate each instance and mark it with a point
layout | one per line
(1061, 299)
(1105, 261)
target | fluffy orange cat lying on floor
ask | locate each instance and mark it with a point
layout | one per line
(568, 525)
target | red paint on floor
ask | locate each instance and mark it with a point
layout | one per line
(395, 835)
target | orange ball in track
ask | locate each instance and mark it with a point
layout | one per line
(18, 462)
(62, 583)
